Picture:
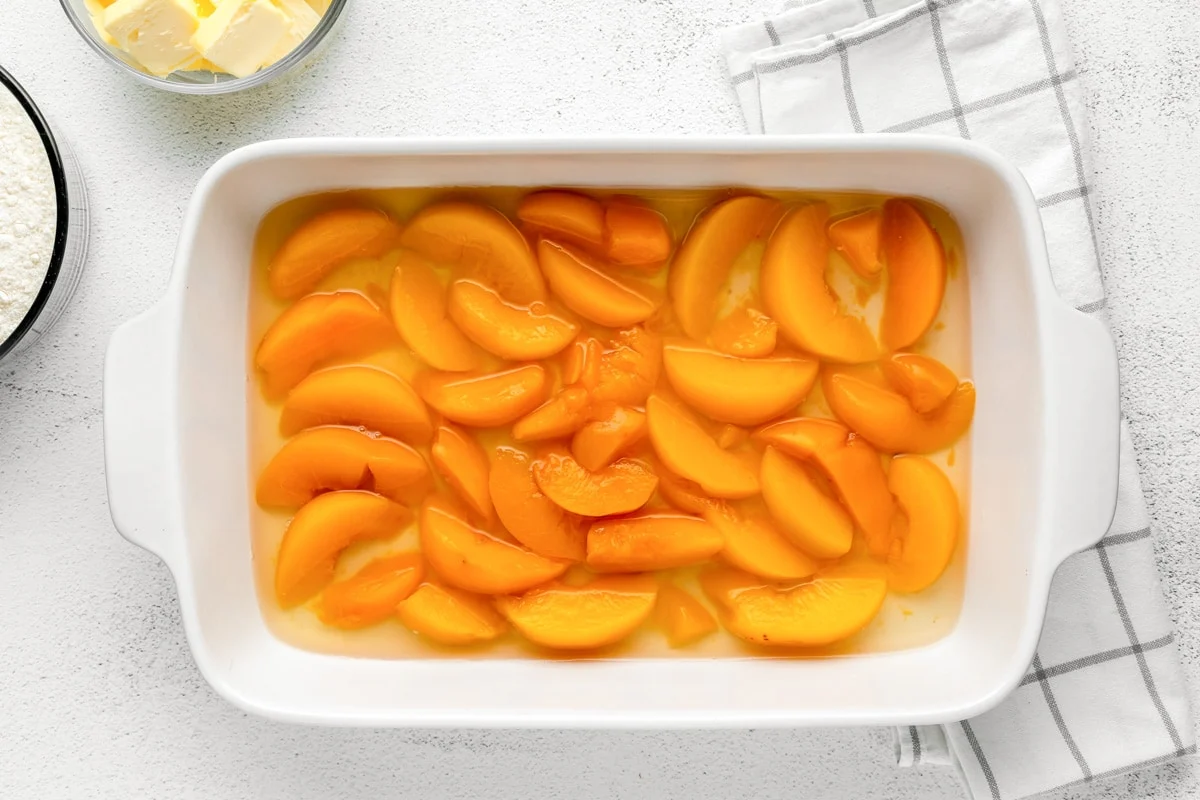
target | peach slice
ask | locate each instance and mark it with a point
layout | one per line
(636, 236)
(623, 486)
(320, 459)
(886, 420)
(730, 436)
(358, 396)
(482, 242)
(559, 416)
(596, 614)
(856, 237)
(485, 401)
(925, 381)
(475, 560)
(598, 443)
(754, 544)
(687, 495)
(812, 519)
(325, 242)
(587, 289)
(531, 517)
(746, 332)
(371, 594)
(836, 604)
(682, 617)
(743, 391)
(450, 616)
(852, 466)
(461, 461)
(707, 255)
(582, 363)
(691, 453)
(651, 541)
(916, 264)
(629, 367)
(569, 215)
(418, 304)
(927, 530)
(321, 530)
(315, 329)
(796, 295)
(516, 333)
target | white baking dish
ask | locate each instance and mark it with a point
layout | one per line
(1042, 484)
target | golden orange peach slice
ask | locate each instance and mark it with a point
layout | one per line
(484, 401)
(629, 367)
(418, 304)
(687, 495)
(598, 443)
(559, 416)
(460, 460)
(916, 265)
(475, 560)
(357, 395)
(531, 517)
(691, 453)
(798, 298)
(730, 436)
(754, 544)
(682, 617)
(575, 217)
(586, 288)
(925, 381)
(581, 363)
(623, 486)
(927, 530)
(635, 235)
(482, 242)
(707, 255)
(321, 530)
(813, 520)
(316, 329)
(516, 333)
(743, 391)
(371, 594)
(856, 237)
(450, 616)
(646, 542)
(596, 614)
(326, 241)
(885, 419)
(321, 459)
(745, 332)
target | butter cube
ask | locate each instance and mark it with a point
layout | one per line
(157, 33)
(240, 34)
(303, 20)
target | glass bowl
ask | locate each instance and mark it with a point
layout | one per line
(203, 82)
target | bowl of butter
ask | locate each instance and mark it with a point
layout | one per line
(205, 46)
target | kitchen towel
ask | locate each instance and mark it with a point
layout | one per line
(1105, 693)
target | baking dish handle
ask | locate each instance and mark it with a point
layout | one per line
(1084, 440)
(138, 434)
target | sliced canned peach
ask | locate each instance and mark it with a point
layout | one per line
(629, 367)
(484, 401)
(570, 215)
(596, 614)
(473, 559)
(461, 461)
(837, 603)
(418, 303)
(852, 465)
(743, 391)
(531, 517)
(326, 241)
(798, 298)
(648, 542)
(581, 363)
(484, 245)
(687, 495)
(916, 265)
(813, 520)
(321, 530)
(754, 544)
(856, 237)
(371, 594)
(691, 453)
(635, 235)
(707, 255)
(623, 486)
(450, 616)
(357, 395)
(745, 332)
(885, 419)
(586, 288)
(516, 333)
(731, 436)
(316, 329)
(927, 529)
(559, 416)
(925, 381)
(320, 459)
(598, 443)
(682, 617)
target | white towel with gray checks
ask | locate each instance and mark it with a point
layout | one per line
(1105, 693)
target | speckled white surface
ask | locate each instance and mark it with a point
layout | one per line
(98, 694)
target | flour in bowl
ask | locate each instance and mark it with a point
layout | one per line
(28, 213)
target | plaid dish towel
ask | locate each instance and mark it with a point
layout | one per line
(1105, 693)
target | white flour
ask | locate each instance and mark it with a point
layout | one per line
(27, 213)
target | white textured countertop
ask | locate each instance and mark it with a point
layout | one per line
(99, 697)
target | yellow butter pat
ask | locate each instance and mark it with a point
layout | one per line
(303, 20)
(157, 33)
(240, 34)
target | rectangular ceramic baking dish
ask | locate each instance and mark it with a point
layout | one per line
(1042, 482)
